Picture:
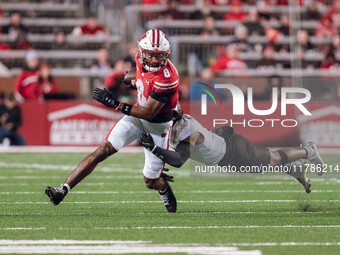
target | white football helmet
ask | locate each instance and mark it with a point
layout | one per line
(154, 50)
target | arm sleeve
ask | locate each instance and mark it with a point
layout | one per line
(161, 97)
(174, 158)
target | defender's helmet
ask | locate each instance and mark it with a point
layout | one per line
(154, 50)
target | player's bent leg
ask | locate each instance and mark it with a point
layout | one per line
(86, 166)
(122, 133)
(153, 179)
(297, 169)
(154, 166)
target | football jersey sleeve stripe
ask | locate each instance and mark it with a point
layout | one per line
(166, 84)
(166, 88)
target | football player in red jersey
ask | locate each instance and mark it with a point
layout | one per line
(157, 85)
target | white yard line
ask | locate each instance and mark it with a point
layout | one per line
(67, 242)
(66, 149)
(137, 247)
(151, 213)
(138, 242)
(124, 249)
(140, 176)
(22, 228)
(113, 247)
(46, 184)
(202, 227)
(33, 177)
(47, 167)
(177, 192)
(141, 182)
(181, 227)
(287, 244)
(180, 201)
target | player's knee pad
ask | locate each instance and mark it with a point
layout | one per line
(283, 156)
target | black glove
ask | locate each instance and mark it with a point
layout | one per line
(166, 177)
(130, 85)
(105, 97)
(147, 141)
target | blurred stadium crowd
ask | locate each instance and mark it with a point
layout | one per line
(209, 38)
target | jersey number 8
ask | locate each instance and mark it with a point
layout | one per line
(140, 97)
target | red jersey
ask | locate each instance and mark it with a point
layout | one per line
(86, 30)
(27, 85)
(334, 15)
(47, 87)
(236, 16)
(4, 46)
(165, 80)
(226, 63)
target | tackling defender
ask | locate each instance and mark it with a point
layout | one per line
(157, 83)
(222, 147)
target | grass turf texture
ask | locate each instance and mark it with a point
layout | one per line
(119, 178)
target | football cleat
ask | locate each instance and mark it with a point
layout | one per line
(313, 156)
(298, 171)
(169, 199)
(56, 195)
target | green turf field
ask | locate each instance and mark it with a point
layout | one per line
(258, 215)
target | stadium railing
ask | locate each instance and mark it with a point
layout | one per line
(301, 73)
(220, 24)
(216, 8)
(44, 41)
(184, 45)
(71, 72)
(197, 39)
(44, 8)
(48, 25)
(137, 18)
(69, 38)
(88, 72)
(72, 58)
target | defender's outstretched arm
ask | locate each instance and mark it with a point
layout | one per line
(174, 158)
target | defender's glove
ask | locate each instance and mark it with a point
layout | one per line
(166, 177)
(147, 141)
(105, 97)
